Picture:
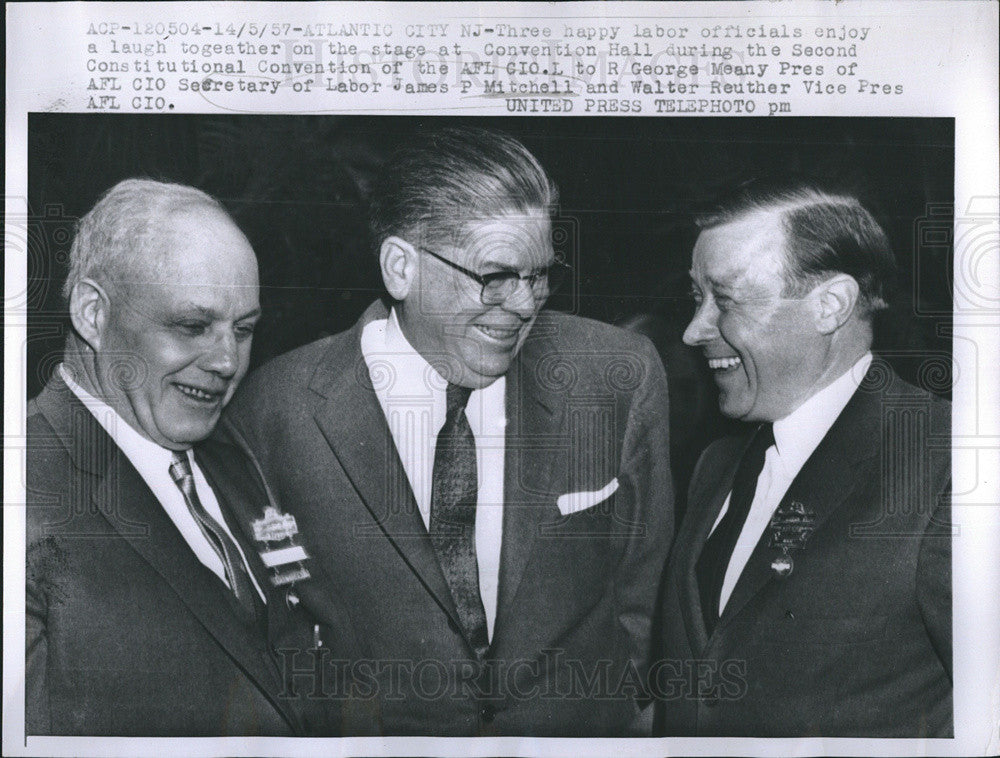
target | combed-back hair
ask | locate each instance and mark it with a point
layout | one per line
(826, 232)
(122, 229)
(439, 181)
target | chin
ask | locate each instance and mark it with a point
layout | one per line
(489, 366)
(492, 371)
(733, 410)
(477, 380)
(189, 435)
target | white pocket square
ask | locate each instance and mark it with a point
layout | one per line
(573, 502)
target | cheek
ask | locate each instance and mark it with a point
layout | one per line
(168, 357)
(131, 363)
(118, 341)
(751, 343)
(455, 316)
(739, 331)
(441, 297)
(434, 327)
(777, 350)
(244, 353)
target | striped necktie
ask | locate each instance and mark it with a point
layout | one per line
(218, 538)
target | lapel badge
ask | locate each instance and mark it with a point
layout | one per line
(783, 565)
(790, 527)
(280, 554)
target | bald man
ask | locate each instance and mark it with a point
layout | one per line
(147, 613)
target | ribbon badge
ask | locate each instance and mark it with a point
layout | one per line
(790, 527)
(280, 554)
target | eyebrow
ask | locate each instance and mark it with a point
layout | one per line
(506, 267)
(211, 314)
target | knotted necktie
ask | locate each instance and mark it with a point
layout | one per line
(718, 550)
(453, 515)
(232, 561)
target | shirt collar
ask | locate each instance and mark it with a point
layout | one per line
(143, 453)
(415, 367)
(386, 349)
(799, 433)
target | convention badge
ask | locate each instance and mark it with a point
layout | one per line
(275, 526)
(790, 527)
(280, 554)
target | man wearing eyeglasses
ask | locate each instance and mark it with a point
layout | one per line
(483, 484)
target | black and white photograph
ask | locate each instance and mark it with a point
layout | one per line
(299, 303)
(446, 433)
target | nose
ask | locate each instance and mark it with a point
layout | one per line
(522, 300)
(223, 358)
(703, 327)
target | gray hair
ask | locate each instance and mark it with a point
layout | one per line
(122, 229)
(442, 179)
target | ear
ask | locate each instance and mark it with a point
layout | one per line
(399, 265)
(836, 299)
(89, 306)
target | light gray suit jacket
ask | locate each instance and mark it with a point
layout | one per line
(586, 403)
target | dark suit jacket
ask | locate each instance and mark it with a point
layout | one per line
(856, 641)
(127, 632)
(585, 403)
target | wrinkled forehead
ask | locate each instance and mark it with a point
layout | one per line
(173, 296)
(750, 248)
(516, 238)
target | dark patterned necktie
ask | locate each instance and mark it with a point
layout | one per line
(453, 516)
(718, 550)
(221, 542)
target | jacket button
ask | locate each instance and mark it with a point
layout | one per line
(487, 713)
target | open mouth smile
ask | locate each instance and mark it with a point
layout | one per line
(499, 333)
(724, 364)
(196, 393)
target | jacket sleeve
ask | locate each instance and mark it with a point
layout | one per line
(934, 581)
(37, 718)
(645, 479)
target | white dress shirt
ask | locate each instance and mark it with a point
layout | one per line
(412, 395)
(153, 464)
(796, 436)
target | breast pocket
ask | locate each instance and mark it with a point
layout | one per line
(575, 502)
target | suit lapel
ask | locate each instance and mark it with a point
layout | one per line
(223, 469)
(690, 598)
(276, 613)
(166, 551)
(370, 459)
(820, 486)
(125, 501)
(532, 450)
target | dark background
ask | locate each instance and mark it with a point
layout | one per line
(628, 188)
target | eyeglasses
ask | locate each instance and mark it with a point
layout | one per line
(498, 286)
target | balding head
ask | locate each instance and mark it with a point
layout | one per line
(121, 236)
(163, 299)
